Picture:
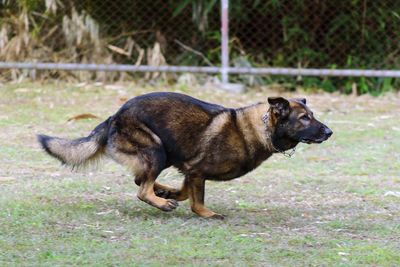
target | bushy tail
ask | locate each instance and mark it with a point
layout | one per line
(80, 151)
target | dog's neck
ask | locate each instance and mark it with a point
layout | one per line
(255, 119)
(282, 144)
(250, 120)
(280, 141)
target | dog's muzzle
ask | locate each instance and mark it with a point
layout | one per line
(326, 133)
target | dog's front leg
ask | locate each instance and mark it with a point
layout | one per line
(196, 195)
(146, 194)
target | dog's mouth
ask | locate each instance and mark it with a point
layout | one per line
(313, 141)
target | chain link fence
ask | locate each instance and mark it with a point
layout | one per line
(318, 34)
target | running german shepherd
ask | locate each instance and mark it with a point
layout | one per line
(204, 141)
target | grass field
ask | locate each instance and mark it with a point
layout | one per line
(333, 204)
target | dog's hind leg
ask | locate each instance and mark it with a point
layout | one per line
(145, 177)
(154, 159)
(146, 163)
(196, 195)
(165, 191)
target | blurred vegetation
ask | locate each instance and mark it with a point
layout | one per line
(280, 33)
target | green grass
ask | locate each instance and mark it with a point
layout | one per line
(323, 207)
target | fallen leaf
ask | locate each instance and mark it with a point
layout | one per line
(83, 116)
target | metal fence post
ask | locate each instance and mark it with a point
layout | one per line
(224, 41)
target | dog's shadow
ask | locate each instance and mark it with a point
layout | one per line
(259, 216)
(139, 210)
(136, 209)
(122, 207)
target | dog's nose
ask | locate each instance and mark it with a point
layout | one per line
(328, 131)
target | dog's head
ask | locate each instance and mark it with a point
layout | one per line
(294, 122)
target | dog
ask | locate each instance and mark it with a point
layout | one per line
(203, 141)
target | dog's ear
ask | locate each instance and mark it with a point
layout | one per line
(280, 106)
(302, 100)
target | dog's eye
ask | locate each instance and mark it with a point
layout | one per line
(305, 118)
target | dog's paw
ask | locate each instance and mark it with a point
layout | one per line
(217, 216)
(170, 205)
(163, 193)
(211, 215)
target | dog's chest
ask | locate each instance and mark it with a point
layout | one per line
(226, 167)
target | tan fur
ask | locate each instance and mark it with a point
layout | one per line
(252, 126)
(75, 154)
(216, 125)
(212, 130)
(134, 163)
